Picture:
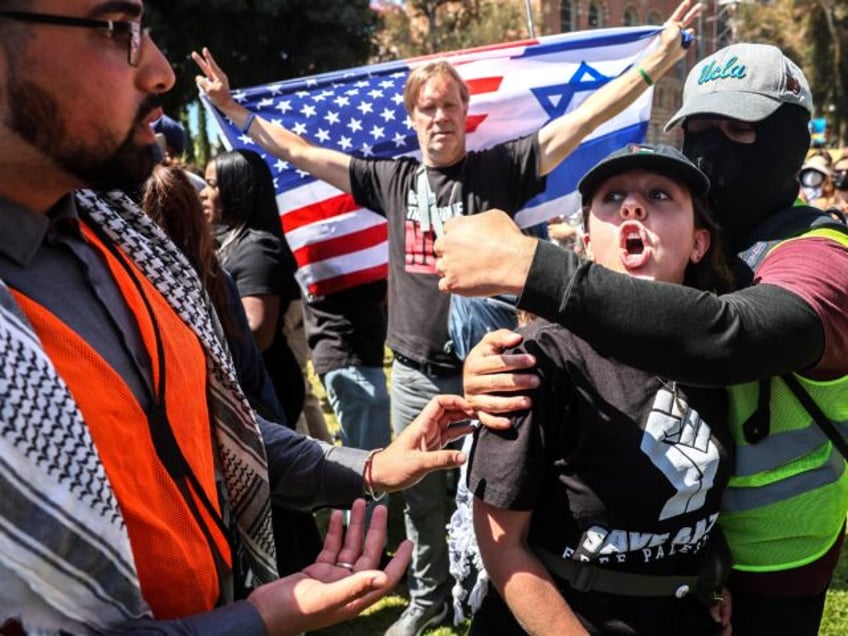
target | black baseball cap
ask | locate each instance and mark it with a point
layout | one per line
(658, 158)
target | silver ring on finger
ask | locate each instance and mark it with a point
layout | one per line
(346, 566)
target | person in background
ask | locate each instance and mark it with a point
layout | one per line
(547, 509)
(346, 334)
(239, 198)
(174, 136)
(816, 184)
(780, 342)
(135, 482)
(169, 198)
(311, 421)
(840, 185)
(563, 233)
(417, 197)
(174, 142)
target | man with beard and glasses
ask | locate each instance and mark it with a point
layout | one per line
(781, 342)
(135, 483)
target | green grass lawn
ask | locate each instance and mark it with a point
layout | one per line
(835, 621)
(377, 618)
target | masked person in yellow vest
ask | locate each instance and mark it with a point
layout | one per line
(782, 341)
(135, 484)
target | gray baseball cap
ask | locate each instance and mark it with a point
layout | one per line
(745, 81)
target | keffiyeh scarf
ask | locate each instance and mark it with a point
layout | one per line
(465, 561)
(65, 557)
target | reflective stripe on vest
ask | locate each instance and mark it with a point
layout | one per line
(739, 497)
(793, 433)
(175, 565)
(789, 511)
(787, 500)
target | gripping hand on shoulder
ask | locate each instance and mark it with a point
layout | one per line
(491, 378)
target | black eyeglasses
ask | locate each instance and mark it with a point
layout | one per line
(135, 30)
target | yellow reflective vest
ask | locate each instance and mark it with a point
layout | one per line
(786, 503)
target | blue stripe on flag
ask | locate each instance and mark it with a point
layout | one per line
(591, 39)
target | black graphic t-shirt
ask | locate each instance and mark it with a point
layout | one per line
(505, 176)
(621, 469)
(347, 327)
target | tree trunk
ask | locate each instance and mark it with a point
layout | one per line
(838, 76)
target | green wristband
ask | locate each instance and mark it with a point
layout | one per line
(645, 76)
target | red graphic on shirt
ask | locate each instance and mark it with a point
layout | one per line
(420, 258)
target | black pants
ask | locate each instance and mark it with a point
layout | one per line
(609, 614)
(754, 615)
(297, 538)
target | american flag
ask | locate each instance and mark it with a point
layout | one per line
(515, 89)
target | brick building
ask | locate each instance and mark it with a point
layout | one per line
(560, 16)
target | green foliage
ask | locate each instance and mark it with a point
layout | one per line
(814, 33)
(835, 621)
(257, 41)
(432, 26)
(491, 23)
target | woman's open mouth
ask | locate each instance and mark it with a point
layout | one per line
(635, 250)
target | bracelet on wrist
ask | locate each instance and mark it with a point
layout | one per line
(367, 481)
(248, 122)
(645, 75)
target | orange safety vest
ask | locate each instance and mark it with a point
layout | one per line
(171, 537)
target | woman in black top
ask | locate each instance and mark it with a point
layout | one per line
(239, 200)
(596, 512)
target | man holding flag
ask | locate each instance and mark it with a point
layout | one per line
(417, 197)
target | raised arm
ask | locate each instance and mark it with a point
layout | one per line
(323, 163)
(675, 331)
(558, 138)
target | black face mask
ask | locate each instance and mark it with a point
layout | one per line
(840, 180)
(749, 182)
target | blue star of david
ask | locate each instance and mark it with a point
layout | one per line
(556, 98)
